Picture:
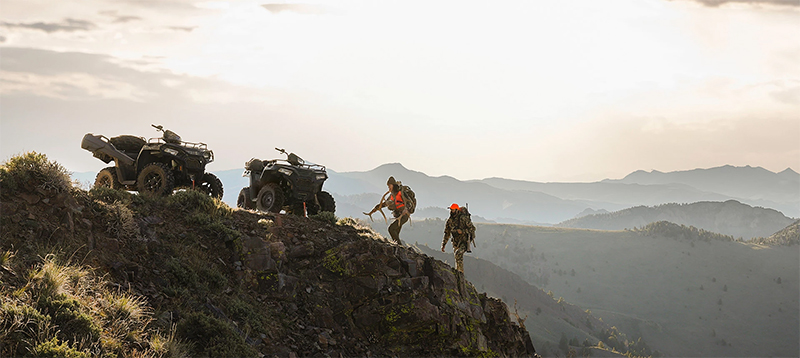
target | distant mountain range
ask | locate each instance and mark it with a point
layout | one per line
(730, 218)
(535, 203)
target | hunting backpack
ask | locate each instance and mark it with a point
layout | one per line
(410, 199)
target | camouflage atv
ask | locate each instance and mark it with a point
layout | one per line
(158, 166)
(291, 185)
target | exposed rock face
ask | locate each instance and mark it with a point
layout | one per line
(356, 289)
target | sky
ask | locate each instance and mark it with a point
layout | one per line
(547, 90)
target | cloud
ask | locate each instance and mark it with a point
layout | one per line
(120, 18)
(305, 9)
(78, 76)
(2, 39)
(68, 25)
(716, 3)
(789, 96)
(182, 28)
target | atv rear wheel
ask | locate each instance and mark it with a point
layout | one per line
(210, 185)
(107, 177)
(244, 200)
(326, 201)
(270, 198)
(156, 178)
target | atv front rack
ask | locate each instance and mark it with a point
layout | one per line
(269, 163)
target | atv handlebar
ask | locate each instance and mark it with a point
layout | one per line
(158, 127)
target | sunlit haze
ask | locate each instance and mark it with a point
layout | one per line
(556, 90)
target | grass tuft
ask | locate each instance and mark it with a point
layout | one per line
(5, 259)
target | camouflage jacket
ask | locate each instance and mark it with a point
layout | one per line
(459, 222)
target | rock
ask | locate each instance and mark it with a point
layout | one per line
(410, 266)
(278, 251)
(261, 262)
(304, 250)
(29, 198)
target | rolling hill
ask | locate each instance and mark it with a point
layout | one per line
(730, 218)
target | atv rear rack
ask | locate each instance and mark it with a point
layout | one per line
(190, 145)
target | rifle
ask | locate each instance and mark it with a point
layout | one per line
(471, 235)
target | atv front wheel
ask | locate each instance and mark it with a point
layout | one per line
(244, 200)
(156, 178)
(326, 202)
(270, 198)
(107, 178)
(210, 185)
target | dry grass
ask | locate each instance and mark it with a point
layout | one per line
(63, 310)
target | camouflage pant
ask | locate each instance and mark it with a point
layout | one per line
(459, 248)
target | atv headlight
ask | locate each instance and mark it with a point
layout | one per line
(321, 176)
(208, 156)
(171, 151)
(285, 171)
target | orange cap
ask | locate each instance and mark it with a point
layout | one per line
(454, 206)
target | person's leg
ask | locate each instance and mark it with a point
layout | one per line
(395, 227)
(459, 252)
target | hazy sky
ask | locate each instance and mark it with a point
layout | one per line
(549, 90)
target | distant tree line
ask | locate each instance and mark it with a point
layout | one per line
(681, 232)
(786, 237)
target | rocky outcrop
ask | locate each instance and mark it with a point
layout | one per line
(363, 295)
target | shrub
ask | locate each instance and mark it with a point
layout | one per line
(109, 195)
(213, 337)
(31, 170)
(51, 348)
(119, 220)
(326, 216)
(19, 323)
(196, 201)
(68, 314)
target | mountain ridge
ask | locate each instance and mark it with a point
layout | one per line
(507, 200)
(730, 218)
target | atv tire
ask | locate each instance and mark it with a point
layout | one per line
(107, 177)
(326, 202)
(244, 200)
(270, 198)
(211, 185)
(128, 143)
(156, 178)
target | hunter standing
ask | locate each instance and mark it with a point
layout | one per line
(460, 226)
(397, 204)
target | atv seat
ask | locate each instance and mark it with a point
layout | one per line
(254, 165)
(128, 144)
